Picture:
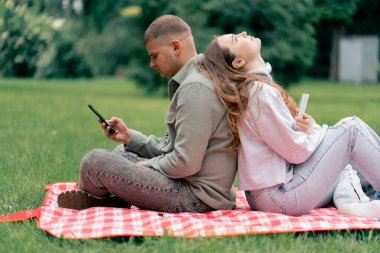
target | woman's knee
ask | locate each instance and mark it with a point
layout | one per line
(350, 122)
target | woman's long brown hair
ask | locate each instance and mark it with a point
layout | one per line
(233, 86)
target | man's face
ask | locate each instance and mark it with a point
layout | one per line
(162, 56)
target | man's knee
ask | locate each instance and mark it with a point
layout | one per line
(91, 160)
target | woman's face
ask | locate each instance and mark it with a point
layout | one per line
(241, 45)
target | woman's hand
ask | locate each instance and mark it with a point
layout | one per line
(304, 123)
(122, 133)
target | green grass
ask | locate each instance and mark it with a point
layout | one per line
(46, 128)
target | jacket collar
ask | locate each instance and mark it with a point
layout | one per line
(264, 72)
(181, 75)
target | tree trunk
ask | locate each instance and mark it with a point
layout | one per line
(338, 31)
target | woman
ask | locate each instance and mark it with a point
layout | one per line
(287, 164)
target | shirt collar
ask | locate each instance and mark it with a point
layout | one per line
(181, 75)
(183, 72)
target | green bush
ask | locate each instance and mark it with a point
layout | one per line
(30, 46)
(62, 58)
(107, 51)
(24, 37)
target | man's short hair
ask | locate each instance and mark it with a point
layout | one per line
(166, 25)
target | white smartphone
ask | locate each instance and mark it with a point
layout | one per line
(302, 104)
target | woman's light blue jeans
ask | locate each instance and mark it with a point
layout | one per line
(349, 141)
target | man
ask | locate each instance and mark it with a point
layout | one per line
(188, 170)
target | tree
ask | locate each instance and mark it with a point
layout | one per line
(102, 36)
(366, 19)
(335, 14)
(192, 11)
(284, 28)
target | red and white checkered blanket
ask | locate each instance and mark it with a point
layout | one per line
(101, 222)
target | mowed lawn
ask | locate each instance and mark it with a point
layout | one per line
(46, 128)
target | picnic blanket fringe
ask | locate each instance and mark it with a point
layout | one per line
(23, 215)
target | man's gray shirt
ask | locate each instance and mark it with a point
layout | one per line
(196, 141)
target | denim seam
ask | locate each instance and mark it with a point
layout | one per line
(311, 170)
(251, 198)
(197, 205)
(365, 137)
(278, 204)
(187, 189)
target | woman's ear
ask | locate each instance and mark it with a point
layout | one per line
(238, 62)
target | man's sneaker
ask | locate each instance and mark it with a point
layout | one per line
(80, 200)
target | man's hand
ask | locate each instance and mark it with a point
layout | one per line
(122, 133)
(304, 123)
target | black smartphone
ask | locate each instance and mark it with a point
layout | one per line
(112, 130)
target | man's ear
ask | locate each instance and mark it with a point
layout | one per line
(176, 44)
(238, 62)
